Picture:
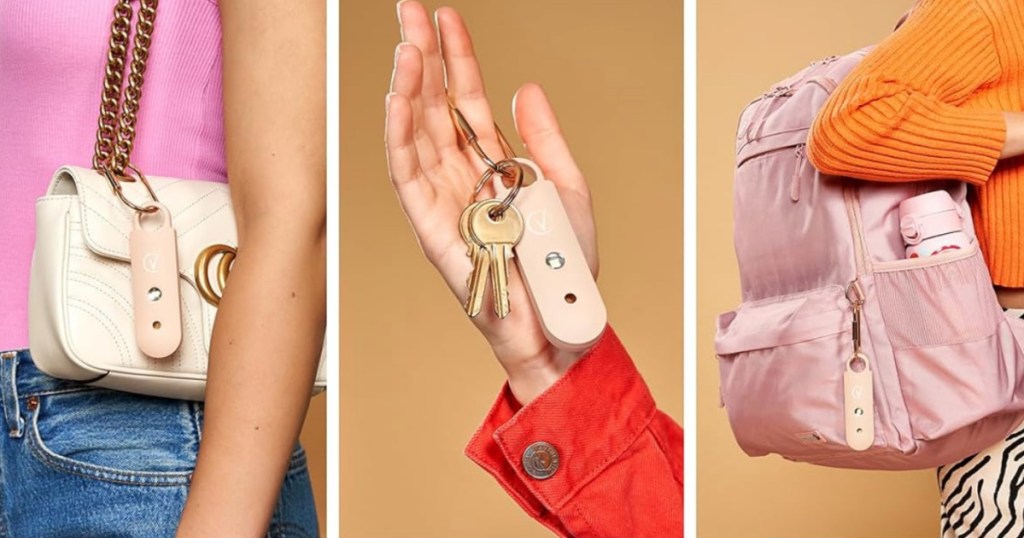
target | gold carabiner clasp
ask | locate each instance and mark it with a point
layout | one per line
(469, 134)
(115, 183)
(507, 167)
(855, 295)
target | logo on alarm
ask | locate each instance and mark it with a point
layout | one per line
(537, 222)
(151, 262)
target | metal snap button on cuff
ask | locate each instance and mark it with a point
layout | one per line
(540, 460)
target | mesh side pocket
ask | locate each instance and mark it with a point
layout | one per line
(932, 304)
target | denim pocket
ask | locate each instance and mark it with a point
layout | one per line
(295, 513)
(115, 436)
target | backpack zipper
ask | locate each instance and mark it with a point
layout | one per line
(860, 411)
(853, 213)
(824, 61)
(801, 160)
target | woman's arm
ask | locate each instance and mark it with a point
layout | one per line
(434, 174)
(897, 116)
(620, 460)
(270, 326)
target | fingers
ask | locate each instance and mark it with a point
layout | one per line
(403, 159)
(539, 130)
(465, 80)
(418, 30)
(407, 81)
(429, 212)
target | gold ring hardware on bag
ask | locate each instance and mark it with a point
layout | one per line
(202, 271)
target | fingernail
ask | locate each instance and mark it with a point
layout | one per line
(398, 52)
(437, 13)
(398, 12)
(387, 100)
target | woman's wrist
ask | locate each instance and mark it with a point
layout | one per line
(528, 378)
(1013, 146)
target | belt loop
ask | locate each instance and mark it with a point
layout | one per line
(9, 392)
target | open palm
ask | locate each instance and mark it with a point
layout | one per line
(434, 177)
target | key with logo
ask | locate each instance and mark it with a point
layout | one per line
(550, 258)
(497, 233)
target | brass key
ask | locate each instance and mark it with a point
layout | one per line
(464, 229)
(481, 259)
(497, 235)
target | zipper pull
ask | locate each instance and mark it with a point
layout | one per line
(824, 61)
(794, 184)
(858, 385)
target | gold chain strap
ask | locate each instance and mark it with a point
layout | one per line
(111, 97)
(115, 135)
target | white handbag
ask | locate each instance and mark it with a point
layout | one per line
(82, 306)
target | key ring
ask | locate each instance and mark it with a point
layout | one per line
(115, 183)
(501, 167)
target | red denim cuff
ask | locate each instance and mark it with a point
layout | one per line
(590, 416)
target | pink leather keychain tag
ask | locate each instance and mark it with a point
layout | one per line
(859, 403)
(157, 307)
(551, 261)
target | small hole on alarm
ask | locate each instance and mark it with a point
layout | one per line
(156, 325)
(153, 220)
(570, 298)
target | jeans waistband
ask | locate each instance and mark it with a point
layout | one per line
(28, 379)
(20, 379)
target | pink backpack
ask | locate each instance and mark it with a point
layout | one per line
(939, 376)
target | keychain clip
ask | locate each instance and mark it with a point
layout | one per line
(858, 383)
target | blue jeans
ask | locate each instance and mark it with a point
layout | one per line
(80, 461)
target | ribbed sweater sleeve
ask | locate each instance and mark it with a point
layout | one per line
(897, 116)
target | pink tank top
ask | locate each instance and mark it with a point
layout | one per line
(52, 56)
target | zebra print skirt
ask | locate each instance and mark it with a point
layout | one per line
(983, 495)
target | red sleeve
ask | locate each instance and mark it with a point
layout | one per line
(619, 460)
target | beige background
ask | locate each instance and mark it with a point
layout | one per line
(416, 378)
(744, 46)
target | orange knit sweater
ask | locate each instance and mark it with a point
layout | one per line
(927, 103)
